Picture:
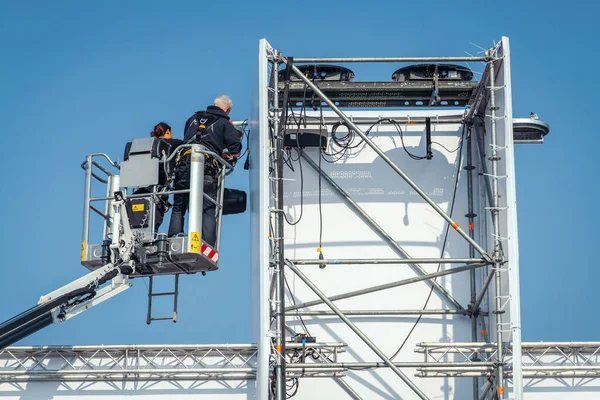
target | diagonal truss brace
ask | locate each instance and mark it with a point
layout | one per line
(385, 286)
(389, 161)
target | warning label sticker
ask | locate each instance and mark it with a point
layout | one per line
(195, 242)
(137, 207)
(82, 251)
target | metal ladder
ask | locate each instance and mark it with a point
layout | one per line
(174, 293)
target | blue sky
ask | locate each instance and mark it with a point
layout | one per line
(82, 77)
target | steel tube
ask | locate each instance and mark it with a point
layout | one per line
(387, 59)
(161, 348)
(379, 230)
(281, 388)
(305, 313)
(472, 275)
(100, 213)
(114, 182)
(149, 311)
(133, 378)
(196, 203)
(386, 286)
(496, 219)
(389, 161)
(355, 329)
(220, 209)
(98, 178)
(377, 364)
(370, 120)
(347, 388)
(484, 289)
(486, 388)
(86, 207)
(101, 168)
(113, 372)
(375, 261)
(486, 178)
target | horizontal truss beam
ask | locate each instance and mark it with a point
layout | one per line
(374, 261)
(107, 363)
(306, 313)
(387, 59)
(385, 121)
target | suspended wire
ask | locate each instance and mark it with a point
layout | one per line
(445, 148)
(301, 190)
(348, 141)
(459, 158)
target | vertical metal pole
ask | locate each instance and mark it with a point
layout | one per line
(152, 206)
(149, 316)
(471, 215)
(279, 263)
(219, 210)
(86, 207)
(176, 297)
(116, 231)
(497, 254)
(114, 182)
(196, 198)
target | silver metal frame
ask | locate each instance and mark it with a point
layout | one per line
(493, 366)
(279, 290)
(93, 169)
(150, 363)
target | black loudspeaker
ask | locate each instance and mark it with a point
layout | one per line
(234, 201)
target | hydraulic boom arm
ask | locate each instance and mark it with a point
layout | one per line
(83, 293)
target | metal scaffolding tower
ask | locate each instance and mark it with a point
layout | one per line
(494, 358)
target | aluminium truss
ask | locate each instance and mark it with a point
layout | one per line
(495, 362)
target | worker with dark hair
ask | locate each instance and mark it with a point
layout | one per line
(166, 146)
(213, 129)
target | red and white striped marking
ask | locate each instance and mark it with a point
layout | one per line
(210, 253)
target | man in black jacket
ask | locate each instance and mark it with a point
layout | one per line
(213, 129)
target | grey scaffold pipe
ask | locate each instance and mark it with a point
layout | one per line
(306, 313)
(389, 161)
(382, 261)
(388, 59)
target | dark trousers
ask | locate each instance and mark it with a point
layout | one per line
(181, 203)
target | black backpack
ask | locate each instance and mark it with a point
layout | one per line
(197, 125)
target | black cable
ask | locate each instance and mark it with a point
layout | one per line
(301, 191)
(347, 141)
(459, 158)
(449, 151)
(399, 129)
